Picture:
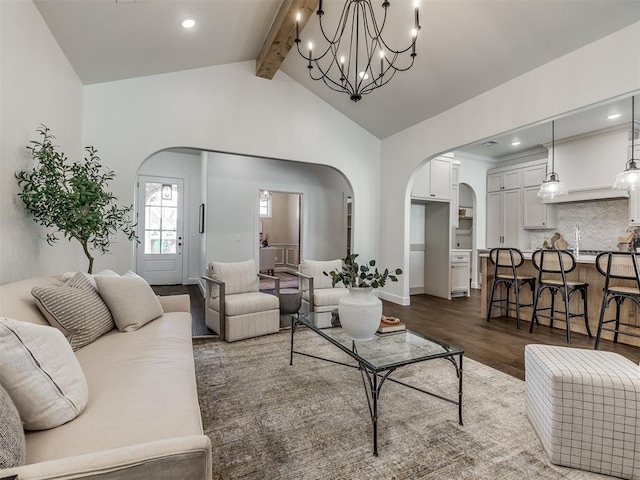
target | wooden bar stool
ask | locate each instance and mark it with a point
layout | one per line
(553, 266)
(621, 266)
(506, 262)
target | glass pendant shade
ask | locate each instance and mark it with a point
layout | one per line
(629, 179)
(552, 187)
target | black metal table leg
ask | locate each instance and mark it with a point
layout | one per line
(374, 415)
(460, 393)
(294, 322)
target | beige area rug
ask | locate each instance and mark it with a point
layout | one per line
(269, 420)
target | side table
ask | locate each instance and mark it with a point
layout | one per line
(290, 303)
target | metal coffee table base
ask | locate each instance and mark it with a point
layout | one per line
(373, 379)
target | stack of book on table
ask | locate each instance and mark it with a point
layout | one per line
(390, 326)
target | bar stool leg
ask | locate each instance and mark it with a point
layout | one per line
(534, 314)
(566, 297)
(603, 309)
(553, 292)
(493, 292)
(516, 291)
(619, 301)
(583, 292)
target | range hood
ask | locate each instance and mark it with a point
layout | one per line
(585, 194)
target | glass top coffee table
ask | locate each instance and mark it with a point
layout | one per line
(379, 357)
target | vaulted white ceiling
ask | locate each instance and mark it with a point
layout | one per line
(465, 47)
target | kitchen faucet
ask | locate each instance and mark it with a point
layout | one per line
(576, 249)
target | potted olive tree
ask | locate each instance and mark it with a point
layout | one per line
(71, 200)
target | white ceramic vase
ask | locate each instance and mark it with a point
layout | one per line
(360, 311)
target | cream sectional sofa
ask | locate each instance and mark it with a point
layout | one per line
(142, 419)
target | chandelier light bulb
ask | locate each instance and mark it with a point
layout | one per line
(310, 46)
(414, 32)
(381, 54)
(298, 17)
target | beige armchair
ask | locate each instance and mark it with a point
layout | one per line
(234, 306)
(318, 295)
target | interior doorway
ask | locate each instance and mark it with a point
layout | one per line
(279, 237)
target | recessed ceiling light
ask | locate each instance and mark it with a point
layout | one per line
(490, 143)
(516, 143)
(188, 23)
(613, 116)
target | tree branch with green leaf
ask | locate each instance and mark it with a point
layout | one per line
(354, 275)
(71, 198)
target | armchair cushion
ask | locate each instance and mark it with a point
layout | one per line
(326, 296)
(315, 269)
(252, 302)
(239, 277)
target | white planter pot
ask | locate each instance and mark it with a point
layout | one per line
(360, 313)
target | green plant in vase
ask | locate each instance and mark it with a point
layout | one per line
(361, 276)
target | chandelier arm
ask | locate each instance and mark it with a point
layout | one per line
(344, 17)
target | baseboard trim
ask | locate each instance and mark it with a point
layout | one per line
(390, 297)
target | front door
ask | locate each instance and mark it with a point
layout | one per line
(160, 201)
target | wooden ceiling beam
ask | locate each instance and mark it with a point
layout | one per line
(281, 36)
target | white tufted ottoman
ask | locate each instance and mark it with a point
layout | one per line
(585, 407)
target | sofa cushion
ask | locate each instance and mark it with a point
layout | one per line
(12, 446)
(252, 302)
(130, 299)
(76, 309)
(315, 269)
(143, 389)
(16, 300)
(41, 374)
(239, 277)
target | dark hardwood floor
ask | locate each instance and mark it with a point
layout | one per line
(496, 343)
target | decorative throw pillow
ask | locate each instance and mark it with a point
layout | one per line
(76, 309)
(130, 299)
(41, 374)
(12, 446)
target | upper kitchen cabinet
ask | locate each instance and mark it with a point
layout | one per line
(433, 181)
(535, 214)
(634, 197)
(504, 180)
(503, 219)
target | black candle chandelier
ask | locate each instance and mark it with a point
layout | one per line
(357, 59)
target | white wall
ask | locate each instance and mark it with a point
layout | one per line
(232, 208)
(37, 85)
(187, 167)
(228, 109)
(604, 69)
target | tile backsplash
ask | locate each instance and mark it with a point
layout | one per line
(601, 222)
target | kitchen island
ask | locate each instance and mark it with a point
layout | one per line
(585, 271)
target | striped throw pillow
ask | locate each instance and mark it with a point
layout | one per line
(76, 309)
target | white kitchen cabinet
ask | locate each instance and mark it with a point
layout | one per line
(535, 213)
(534, 175)
(634, 196)
(433, 181)
(503, 218)
(455, 203)
(506, 180)
(634, 208)
(460, 272)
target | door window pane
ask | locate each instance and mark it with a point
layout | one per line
(161, 218)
